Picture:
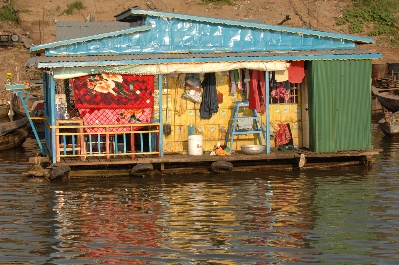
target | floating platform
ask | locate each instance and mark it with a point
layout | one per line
(174, 163)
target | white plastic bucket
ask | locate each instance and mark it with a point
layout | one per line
(195, 145)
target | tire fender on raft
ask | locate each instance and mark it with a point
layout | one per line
(59, 172)
(221, 167)
(140, 169)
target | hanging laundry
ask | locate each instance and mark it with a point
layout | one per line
(257, 91)
(209, 104)
(232, 83)
(247, 78)
(283, 135)
(281, 91)
(296, 72)
(281, 75)
(239, 81)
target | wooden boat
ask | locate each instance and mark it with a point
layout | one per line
(4, 108)
(13, 133)
(390, 124)
(14, 139)
(386, 96)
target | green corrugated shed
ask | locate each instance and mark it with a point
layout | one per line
(340, 105)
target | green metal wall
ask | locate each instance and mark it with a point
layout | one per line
(339, 105)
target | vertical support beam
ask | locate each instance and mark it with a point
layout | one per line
(51, 108)
(47, 130)
(160, 137)
(132, 147)
(107, 150)
(267, 100)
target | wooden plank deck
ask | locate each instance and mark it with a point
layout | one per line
(175, 162)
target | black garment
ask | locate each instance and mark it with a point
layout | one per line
(209, 104)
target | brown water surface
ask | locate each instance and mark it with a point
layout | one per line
(335, 216)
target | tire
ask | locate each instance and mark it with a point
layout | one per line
(221, 167)
(140, 169)
(59, 172)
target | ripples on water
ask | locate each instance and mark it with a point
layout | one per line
(339, 216)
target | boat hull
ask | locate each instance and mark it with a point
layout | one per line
(14, 139)
(388, 101)
(4, 110)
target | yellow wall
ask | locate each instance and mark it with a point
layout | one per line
(214, 129)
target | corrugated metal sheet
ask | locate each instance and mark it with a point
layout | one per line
(176, 33)
(130, 14)
(115, 60)
(66, 30)
(340, 105)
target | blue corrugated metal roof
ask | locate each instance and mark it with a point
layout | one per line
(185, 33)
(148, 59)
(134, 12)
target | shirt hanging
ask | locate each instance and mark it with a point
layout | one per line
(296, 72)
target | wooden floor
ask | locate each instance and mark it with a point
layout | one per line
(179, 162)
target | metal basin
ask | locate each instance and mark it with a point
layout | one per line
(253, 149)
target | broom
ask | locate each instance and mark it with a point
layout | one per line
(167, 129)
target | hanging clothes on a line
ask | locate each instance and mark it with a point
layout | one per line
(257, 91)
(281, 75)
(283, 135)
(296, 72)
(209, 104)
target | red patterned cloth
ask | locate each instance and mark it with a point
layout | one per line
(107, 99)
(296, 71)
(115, 116)
(114, 91)
(283, 135)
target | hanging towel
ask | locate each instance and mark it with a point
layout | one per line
(296, 72)
(239, 82)
(236, 76)
(247, 78)
(232, 82)
(257, 91)
(209, 104)
(281, 75)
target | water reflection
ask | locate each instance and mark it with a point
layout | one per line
(344, 216)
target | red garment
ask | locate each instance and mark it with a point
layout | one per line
(283, 135)
(296, 72)
(257, 91)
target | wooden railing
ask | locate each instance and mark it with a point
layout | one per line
(73, 139)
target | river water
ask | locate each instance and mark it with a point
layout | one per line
(335, 216)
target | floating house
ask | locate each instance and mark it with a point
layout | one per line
(171, 90)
